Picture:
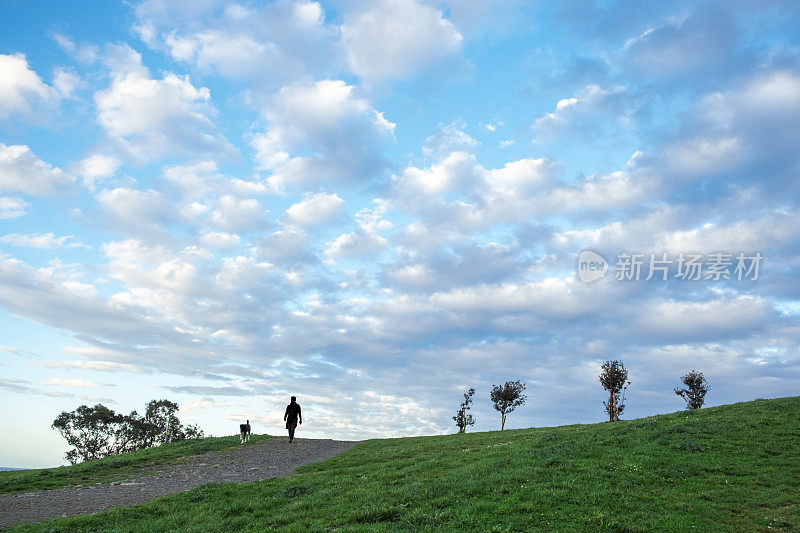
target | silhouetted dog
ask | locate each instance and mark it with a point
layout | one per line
(244, 432)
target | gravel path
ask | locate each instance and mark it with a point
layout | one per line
(251, 462)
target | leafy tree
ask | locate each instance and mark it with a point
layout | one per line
(164, 424)
(462, 418)
(695, 391)
(614, 379)
(98, 431)
(506, 398)
(91, 431)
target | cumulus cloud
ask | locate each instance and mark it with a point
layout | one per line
(97, 167)
(288, 245)
(356, 244)
(134, 210)
(153, 118)
(23, 171)
(239, 215)
(12, 207)
(580, 112)
(315, 209)
(448, 138)
(267, 44)
(341, 131)
(392, 39)
(219, 239)
(21, 89)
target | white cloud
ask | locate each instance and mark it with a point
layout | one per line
(289, 245)
(232, 55)
(239, 216)
(448, 138)
(66, 81)
(356, 244)
(21, 89)
(101, 366)
(220, 240)
(22, 171)
(152, 118)
(268, 44)
(12, 207)
(326, 118)
(61, 382)
(97, 167)
(200, 179)
(570, 112)
(135, 210)
(394, 39)
(523, 176)
(315, 209)
(714, 319)
(46, 241)
(458, 171)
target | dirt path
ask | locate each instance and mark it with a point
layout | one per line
(251, 462)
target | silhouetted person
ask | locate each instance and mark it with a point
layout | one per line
(292, 417)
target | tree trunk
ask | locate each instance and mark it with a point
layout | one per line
(502, 421)
(612, 407)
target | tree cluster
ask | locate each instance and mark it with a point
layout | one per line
(98, 431)
(505, 398)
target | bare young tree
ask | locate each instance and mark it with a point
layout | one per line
(614, 379)
(506, 398)
(695, 391)
(463, 418)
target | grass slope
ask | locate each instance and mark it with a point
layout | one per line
(728, 468)
(113, 468)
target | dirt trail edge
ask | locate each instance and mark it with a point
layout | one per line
(249, 462)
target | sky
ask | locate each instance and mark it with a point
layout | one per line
(376, 205)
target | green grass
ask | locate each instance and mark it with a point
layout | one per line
(728, 468)
(113, 468)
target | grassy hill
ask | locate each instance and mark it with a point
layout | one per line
(728, 468)
(113, 468)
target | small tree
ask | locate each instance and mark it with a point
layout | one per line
(695, 391)
(462, 418)
(194, 432)
(506, 398)
(614, 379)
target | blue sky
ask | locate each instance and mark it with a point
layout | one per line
(377, 205)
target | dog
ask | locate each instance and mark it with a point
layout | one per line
(244, 432)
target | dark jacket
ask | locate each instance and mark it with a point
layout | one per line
(292, 413)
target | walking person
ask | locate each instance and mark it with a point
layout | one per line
(292, 417)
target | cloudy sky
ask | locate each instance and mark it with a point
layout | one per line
(375, 205)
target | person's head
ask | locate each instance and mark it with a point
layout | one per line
(294, 399)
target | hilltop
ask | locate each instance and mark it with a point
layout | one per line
(731, 467)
